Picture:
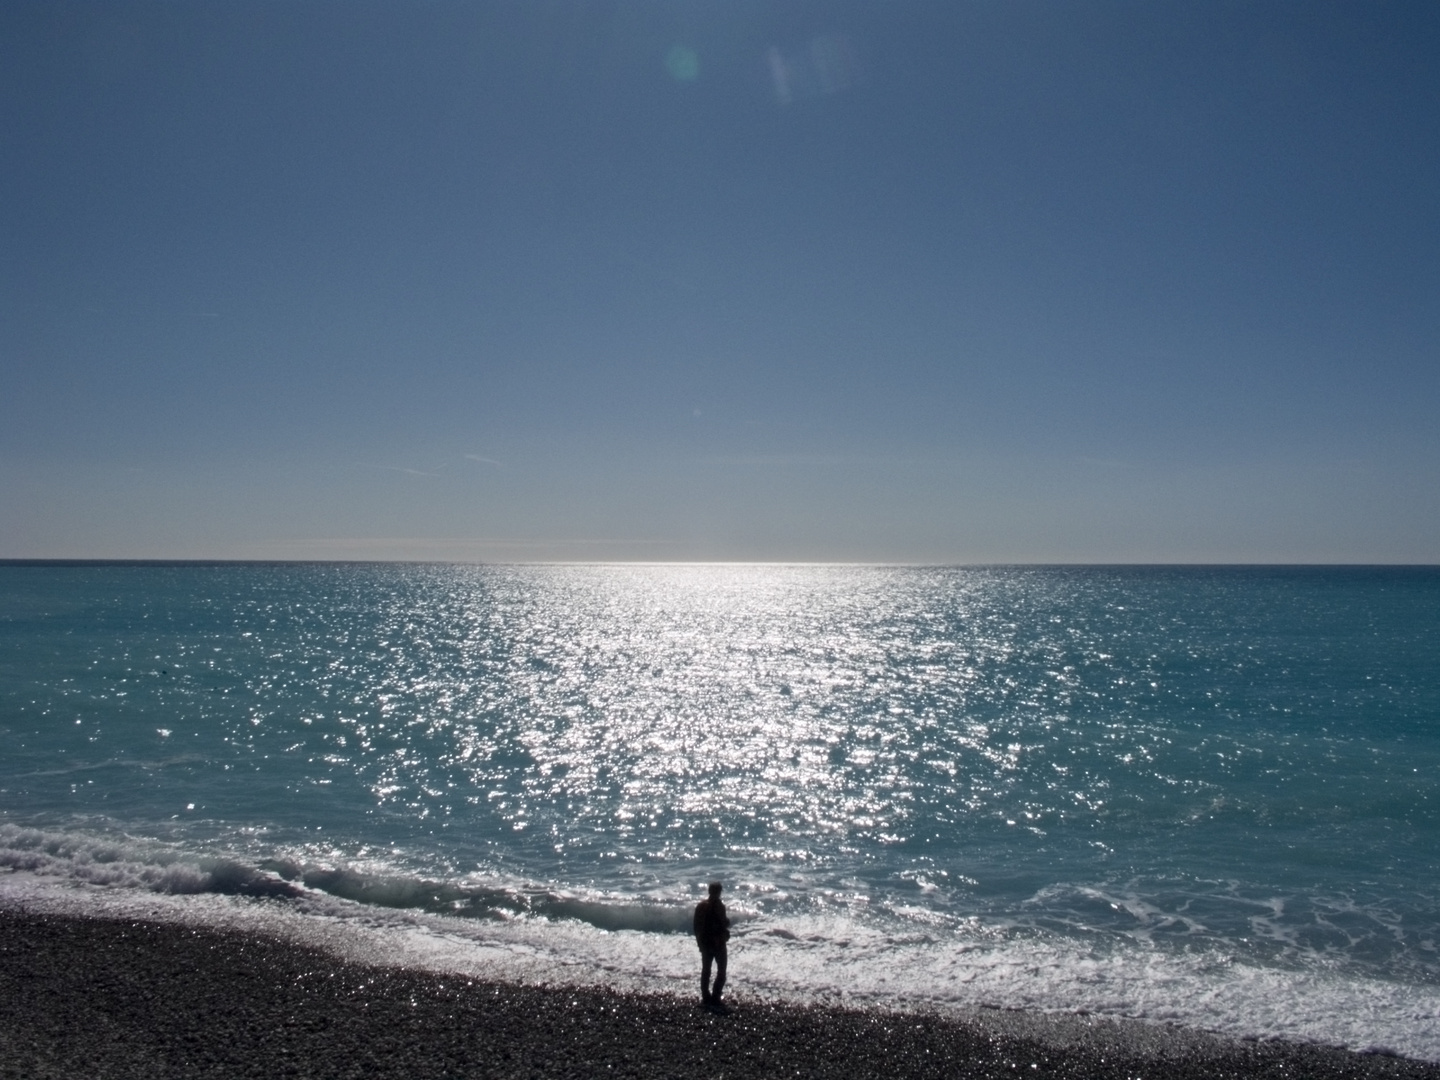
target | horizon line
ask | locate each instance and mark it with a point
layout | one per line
(913, 564)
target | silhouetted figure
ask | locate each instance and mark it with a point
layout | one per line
(712, 931)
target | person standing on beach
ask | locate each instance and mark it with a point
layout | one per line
(712, 931)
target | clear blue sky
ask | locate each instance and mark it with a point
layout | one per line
(941, 282)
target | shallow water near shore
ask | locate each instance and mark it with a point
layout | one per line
(1196, 795)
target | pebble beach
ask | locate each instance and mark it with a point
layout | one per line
(95, 997)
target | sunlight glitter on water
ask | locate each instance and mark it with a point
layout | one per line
(1158, 755)
(671, 710)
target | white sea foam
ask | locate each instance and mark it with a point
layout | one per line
(835, 958)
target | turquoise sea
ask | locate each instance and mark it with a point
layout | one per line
(1187, 794)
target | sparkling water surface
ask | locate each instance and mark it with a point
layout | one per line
(1131, 778)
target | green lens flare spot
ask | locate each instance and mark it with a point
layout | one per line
(682, 63)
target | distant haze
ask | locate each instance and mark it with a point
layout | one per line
(911, 282)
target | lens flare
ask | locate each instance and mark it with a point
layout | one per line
(682, 63)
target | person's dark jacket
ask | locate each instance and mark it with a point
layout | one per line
(712, 925)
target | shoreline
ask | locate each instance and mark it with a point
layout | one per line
(119, 997)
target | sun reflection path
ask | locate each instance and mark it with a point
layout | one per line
(673, 711)
(638, 723)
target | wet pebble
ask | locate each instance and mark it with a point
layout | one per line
(106, 998)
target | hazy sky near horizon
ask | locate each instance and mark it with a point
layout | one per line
(939, 282)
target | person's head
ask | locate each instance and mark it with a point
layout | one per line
(715, 888)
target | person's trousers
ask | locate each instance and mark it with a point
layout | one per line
(707, 957)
